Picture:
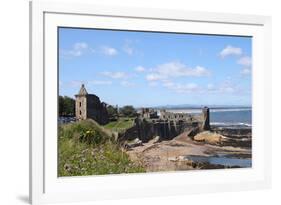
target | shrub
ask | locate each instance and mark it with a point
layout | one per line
(91, 137)
(85, 131)
(85, 148)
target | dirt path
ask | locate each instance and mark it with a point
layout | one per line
(167, 155)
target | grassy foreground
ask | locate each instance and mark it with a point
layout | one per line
(86, 148)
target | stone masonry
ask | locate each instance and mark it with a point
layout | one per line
(167, 126)
(90, 106)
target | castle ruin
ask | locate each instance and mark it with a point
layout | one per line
(166, 125)
(148, 124)
(90, 106)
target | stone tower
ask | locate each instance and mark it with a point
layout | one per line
(206, 118)
(81, 104)
(90, 106)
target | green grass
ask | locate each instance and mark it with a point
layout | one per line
(85, 148)
(120, 125)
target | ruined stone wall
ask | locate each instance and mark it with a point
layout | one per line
(206, 118)
(96, 110)
(146, 130)
(104, 118)
(90, 106)
(93, 107)
(148, 113)
(174, 116)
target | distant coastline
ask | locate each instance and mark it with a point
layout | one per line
(191, 106)
(224, 116)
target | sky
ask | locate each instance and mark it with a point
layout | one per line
(155, 69)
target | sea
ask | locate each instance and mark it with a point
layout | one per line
(234, 116)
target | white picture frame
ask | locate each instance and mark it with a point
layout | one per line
(46, 187)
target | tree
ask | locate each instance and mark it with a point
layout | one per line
(128, 111)
(61, 105)
(66, 106)
(112, 112)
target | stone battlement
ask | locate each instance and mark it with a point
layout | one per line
(151, 114)
(148, 113)
(167, 126)
(175, 116)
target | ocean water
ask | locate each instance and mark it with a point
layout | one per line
(223, 160)
(224, 116)
(231, 117)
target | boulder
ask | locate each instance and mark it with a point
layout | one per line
(155, 140)
(135, 143)
(210, 138)
(192, 132)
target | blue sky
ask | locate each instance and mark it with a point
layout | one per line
(151, 69)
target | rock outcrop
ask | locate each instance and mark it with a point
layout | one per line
(210, 138)
(215, 138)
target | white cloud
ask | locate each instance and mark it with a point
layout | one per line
(154, 77)
(174, 70)
(226, 87)
(74, 83)
(182, 88)
(230, 50)
(245, 61)
(140, 69)
(168, 84)
(78, 49)
(153, 84)
(80, 45)
(211, 87)
(100, 82)
(77, 84)
(109, 51)
(127, 84)
(246, 71)
(128, 49)
(115, 75)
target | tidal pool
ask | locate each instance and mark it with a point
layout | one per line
(225, 160)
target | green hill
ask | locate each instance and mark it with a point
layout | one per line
(86, 148)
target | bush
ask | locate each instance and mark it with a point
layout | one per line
(91, 137)
(85, 129)
(85, 148)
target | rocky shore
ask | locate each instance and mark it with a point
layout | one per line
(215, 149)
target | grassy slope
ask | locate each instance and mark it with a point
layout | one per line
(78, 158)
(120, 125)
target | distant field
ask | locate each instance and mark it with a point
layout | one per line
(120, 125)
